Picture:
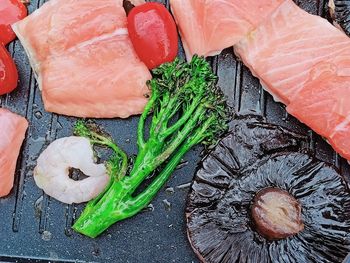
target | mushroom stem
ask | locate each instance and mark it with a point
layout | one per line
(276, 214)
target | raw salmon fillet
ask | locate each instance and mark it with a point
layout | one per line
(304, 62)
(109, 66)
(83, 59)
(285, 51)
(209, 26)
(324, 105)
(12, 132)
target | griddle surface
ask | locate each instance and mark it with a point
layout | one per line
(37, 228)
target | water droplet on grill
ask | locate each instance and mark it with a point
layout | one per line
(38, 206)
(149, 208)
(183, 186)
(167, 205)
(38, 115)
(170, 190)
(46, 236)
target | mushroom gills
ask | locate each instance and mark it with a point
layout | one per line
(240, 172)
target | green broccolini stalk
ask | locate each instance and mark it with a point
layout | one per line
(188, 109)
(118, 163)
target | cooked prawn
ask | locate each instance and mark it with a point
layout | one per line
(53, 166)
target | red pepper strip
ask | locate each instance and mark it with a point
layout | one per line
(8, 72)
(11, 11)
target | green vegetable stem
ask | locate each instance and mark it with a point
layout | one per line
(188, 109)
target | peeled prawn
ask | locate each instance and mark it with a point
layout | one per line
(53, 166)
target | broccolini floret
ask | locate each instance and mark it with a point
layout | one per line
(187, 108)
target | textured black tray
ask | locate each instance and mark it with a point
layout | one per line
(36, 228)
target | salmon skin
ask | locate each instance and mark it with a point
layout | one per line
(340, 12)
(304, 62)
(79, 70)
(12, 133)
(209, 26)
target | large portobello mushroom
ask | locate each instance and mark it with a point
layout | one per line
(255, 200)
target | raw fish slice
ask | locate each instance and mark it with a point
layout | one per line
(339, 139)
(285, 50)
(102, 78)
(192, 18)
(12, 132)
(84, 61)
(61, 24)
(304, 61)
(324, 105)
(209, 26)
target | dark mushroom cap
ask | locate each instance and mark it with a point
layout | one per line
(340, 12)
(250, 139)
(219, 222)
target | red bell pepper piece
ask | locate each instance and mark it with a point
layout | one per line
(153, 33)
(11, 11)
(8, 72)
